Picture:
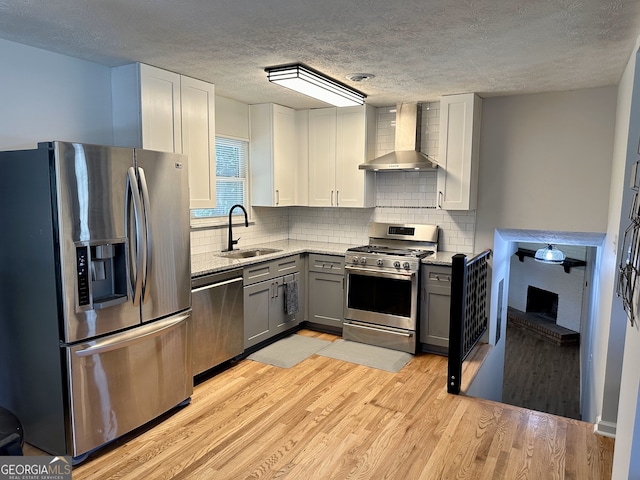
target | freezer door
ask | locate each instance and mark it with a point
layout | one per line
(90, 188)
(164, 183)
(122, 381)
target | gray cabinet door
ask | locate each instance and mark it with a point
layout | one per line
(279, 321)
(326, 299)
(434, 308)
(257, 301)
(435, 330)
(264, 310)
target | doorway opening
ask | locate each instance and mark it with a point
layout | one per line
(547, 331)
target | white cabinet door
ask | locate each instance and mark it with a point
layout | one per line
(322, 157)
(284, 155)
(146, 108)
(198, 140)
(459, 151)
(272, 151)
(354, 145)
(160, 110)
(340, 139)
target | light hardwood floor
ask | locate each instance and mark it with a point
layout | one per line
(328, 419)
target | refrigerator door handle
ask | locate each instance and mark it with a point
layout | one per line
(140, 245)
(146, 205)
(130, 337)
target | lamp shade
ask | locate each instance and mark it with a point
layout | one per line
(312, 83)
(549, 255)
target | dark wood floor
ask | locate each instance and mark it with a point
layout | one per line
(540, 375)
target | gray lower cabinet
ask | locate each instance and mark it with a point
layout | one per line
(434, 308)
(326, 290)
(264, 299)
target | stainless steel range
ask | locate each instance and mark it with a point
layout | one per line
(382, 285)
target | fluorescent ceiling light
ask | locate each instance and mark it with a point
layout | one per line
(305, 80)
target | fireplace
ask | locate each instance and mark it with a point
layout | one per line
(540, 317)
(542, 302)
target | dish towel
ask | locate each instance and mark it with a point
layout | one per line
(291, 297)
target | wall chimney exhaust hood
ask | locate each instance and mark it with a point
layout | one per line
(407, 155)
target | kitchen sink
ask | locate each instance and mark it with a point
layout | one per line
(255, 252)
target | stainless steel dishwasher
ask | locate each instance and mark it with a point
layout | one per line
(218, 319)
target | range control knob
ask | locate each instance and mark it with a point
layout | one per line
(396, 264)
(380, 262)
(363, 260)
(355, 260)
(406, 265)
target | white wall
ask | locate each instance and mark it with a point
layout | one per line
(627, 451)
(527, 136)
(46, 96)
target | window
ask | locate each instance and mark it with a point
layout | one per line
(231, 178)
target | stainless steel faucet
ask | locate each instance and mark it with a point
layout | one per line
(233, 242)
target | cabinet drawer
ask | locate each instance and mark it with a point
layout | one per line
(287, 265)
(326, 263)
(436, 275)
(271, 269)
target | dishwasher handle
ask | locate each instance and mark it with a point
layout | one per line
(218, 284)
(215, 279)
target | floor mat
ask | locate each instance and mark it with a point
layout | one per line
(367, 355)
(289, 351)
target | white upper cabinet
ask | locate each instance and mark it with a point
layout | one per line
(273, 152)
(146, 108)
(340, 139)
(199, 140)
(459, 151)
(159, 110)
(322, 157)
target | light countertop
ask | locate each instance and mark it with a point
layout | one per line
(446, 258)
(212, 262)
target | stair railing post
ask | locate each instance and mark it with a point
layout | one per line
(456, 321)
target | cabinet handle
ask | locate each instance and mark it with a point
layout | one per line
(332, 198)
(445, 278)
(277, 197)
(337, 198)
(440, 199)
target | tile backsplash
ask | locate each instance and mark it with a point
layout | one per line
(403, 197)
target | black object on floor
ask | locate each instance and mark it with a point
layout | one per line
(11, 434)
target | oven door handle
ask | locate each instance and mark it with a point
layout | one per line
(385, 330)
(379, 273)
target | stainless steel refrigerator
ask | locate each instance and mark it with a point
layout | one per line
(95, 296)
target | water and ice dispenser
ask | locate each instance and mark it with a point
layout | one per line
(101, 275)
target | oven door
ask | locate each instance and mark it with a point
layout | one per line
(383, 298)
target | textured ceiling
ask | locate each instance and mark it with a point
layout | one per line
(417, 49)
